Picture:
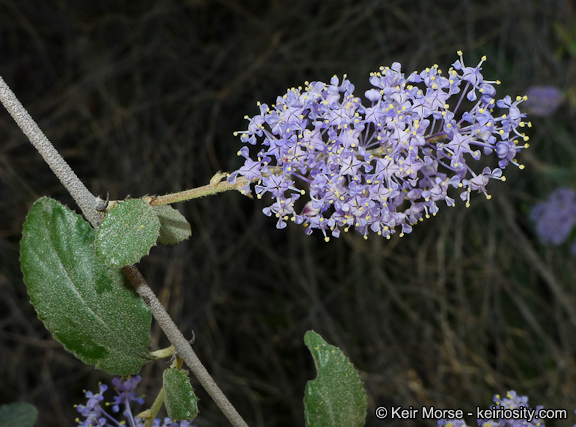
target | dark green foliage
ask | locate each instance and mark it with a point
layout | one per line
(336, 398)
(89, 308)
(179, 398)
(18, 414)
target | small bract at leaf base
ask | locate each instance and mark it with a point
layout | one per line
(174, 228)
(180, 400)
(127, 233)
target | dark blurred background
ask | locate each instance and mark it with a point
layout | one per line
(143, 98)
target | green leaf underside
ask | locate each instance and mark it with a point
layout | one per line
(127, 233)
(173, 226)
(18, 414)
(89, 308)
(336, 398)
(179, 398)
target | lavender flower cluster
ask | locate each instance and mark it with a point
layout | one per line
(511, 402)
(543, 100)
(382, 166)
(95, 415)
(555, 217)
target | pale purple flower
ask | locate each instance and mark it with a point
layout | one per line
(332, 161)
(96, 415)
(92, 412)
(452, 423)
(555, 217)
(514, 402)
(543, 100)
(522, 417)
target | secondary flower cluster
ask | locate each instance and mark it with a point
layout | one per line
(556, 217)
(512, 402)
(95, 415)
(385, 165)
(543, 100)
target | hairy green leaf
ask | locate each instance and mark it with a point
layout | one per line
(18, 414)
(127, 233)
(179, 397)
(336, 398)
(173, 226)
(89, 308)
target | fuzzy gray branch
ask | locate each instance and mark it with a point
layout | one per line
(89, 206)
(182, 346)
(83, 197)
